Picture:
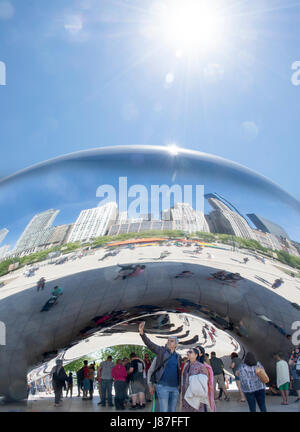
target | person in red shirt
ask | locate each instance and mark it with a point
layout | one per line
(86, 380)
(119, 375)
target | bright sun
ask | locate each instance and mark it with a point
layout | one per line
(191, 24)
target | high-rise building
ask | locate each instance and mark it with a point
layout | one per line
(55, 236)
(4, 251)
(134, 226)
(224, 220)
(95, 222)
(36, 231)
(267, 226)
(3, 234)
(185, 218)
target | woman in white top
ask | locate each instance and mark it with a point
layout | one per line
(283, 377)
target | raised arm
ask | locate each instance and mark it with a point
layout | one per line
(152, 346)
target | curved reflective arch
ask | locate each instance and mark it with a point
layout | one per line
(102, 303)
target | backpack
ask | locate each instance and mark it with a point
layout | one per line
(80, 375)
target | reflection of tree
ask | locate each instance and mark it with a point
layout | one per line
(118, 351)
(121, 351)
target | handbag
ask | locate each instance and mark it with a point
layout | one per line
(262, 375)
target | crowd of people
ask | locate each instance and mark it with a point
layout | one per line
(173, 383)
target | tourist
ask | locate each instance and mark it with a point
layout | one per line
(217, 367)
(194, 384)
(80, 378)
(70, 384)
(106, 381)
(294, 363)
(235, 364)
(137, 383)
(130, 271)
(221, 275)
(147, 363)
(59, 377)
(151, 385)
(246, 260)
(283, 377)
(126, 364)
(57, 291)
(92, 379)
(204, 358)
(167, 373)
(98, 378)
(277, 283)
(119, 374)
(86, 380)
(251, 385)
(41, 284)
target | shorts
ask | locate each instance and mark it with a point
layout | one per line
(86, 384)
(237, 378)
(285, 386)
(219, 379)
(136, 387)
(296, 384)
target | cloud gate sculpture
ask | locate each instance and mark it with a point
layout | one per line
(195, 245)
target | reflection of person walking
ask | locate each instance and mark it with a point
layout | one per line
(41, 284)
(59, 377)
(70, 384)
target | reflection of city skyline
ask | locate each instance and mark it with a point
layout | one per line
(106, 220)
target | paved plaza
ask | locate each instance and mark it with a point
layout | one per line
(91, 290)
(45, 403)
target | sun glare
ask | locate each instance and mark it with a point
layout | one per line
(191, 24)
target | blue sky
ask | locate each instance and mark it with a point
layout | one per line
(83, 74)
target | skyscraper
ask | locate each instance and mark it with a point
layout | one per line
(95, 222)
(36, 230)
(3, 234)
(4, 251)
(186, 218)
(267, 226)
(223, 220)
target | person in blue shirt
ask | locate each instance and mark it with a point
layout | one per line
(167, 374)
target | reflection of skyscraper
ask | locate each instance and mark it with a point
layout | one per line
(92, 223)
(267, 226)
(223, 220)
(186, 218)
(36, 230)
(3, 234)
(4, 250)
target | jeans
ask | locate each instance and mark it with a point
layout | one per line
(120, 389)
(106, 385)
(57, 392)
(258, 396)
(168, 398)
